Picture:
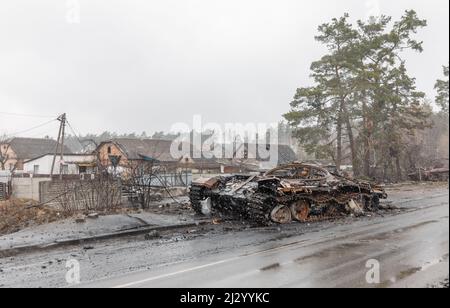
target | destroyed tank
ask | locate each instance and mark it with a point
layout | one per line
(290, 192)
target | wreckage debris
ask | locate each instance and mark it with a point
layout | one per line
(152, 235)
(300, 192)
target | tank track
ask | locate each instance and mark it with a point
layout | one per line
(258, 206)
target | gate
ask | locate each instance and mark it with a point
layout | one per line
(4, 191)
(5, 185)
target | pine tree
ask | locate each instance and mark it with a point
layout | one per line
(362, 84)
(388, 95)
(320, 112)
(442, 90)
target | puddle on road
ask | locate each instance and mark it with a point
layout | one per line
(411, 271)
(329, 252)
(386, 235)
(401, 230)
(367, 241)
(270, 267)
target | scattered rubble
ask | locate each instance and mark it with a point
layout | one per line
(93, 216)
(441, 285)
(80, 219)
(152, 235)
(430, 175)
(296, 191)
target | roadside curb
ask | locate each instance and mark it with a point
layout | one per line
(11, 252)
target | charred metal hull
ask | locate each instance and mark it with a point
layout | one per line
(283, 197)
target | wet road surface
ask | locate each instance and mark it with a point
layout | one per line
(411, 246)
(411, 250)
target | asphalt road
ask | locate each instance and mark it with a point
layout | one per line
(411, 250)
(411, 246)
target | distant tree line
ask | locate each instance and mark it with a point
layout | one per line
(89, 142)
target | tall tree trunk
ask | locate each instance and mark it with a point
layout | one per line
(340, 118)
(398, 167)
(339, 138)
(385, 169)
(351, 140)
(367, 135)
(367, 155)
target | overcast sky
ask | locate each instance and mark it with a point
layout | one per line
(141, 65)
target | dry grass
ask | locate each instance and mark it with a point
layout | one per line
(16, 215)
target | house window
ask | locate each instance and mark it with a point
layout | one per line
(36, 169)
(82, 169)
(109, 150)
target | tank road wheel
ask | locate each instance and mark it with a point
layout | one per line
(300, 210)
(281, 214)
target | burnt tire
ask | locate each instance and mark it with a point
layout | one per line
(281, 214)
(300, 210)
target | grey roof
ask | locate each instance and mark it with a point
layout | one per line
(285, 153)
(29, 148)
(136, 149)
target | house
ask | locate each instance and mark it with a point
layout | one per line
(72, 164)
(241, 158)
(124, 152)
(204, 164)
(258, 157)
(14, 152)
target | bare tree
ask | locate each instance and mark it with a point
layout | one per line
(5, 146)
(145, 177)
(100, 194)
(140, 182)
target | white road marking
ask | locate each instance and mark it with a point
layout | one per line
(135, 283)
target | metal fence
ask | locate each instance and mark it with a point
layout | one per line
(179, 179)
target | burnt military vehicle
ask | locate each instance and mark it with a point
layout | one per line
(290, 192)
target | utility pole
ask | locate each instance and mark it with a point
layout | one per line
(60, 141)
(63, 125)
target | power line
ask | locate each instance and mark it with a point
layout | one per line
(75, 134)
(43, 134)
(24, 115)
(81, 141)
(28, 130)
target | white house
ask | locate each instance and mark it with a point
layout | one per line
(71, 164)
